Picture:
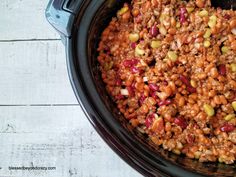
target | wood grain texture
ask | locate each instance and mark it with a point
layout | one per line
(58, 137)
(24, 19)
(34, 72)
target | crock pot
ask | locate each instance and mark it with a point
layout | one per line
(80, 23)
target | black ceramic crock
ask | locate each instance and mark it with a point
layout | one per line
(80, 23)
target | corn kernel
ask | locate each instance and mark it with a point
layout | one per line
(178, 25)
(209, 110)
(179, 145)
(193, 83)
(197, 154)
(229, 117)
(123, 10)
(134, 37)
(224, 49)
(190, 9)
(234, 105)
(176, 151)
(162, 17)
(162, 30)
(207, 33)
(172, 56)
(206, 43)
(155, 44)
(203, 13)
(212, 21)
(139, 51)
(221, 160)
(233, 67)
(108, 65)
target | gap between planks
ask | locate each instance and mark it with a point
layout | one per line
(28, 40)
(37, 105)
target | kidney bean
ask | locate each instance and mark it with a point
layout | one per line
(165, 83)
(164, 102)
(191, 89)
(182, 17)
(181, 122)
(185, 80)
(119, 97)
(135, 70)
(118, 82)
(154, 95)
(133, 45)
(227, 16)
(154, 31)
(149, 120)
(190, 138)
(106, 49)
(153, 87)
(222, 69)
(142, 99)
(130, 90)
(130, 62)
(227, 127)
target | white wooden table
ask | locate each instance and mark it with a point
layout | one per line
(41, 123)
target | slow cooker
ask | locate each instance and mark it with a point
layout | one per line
(80, 23)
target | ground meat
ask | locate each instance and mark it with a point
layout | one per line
(170, 66)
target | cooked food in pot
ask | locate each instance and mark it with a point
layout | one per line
(170, 66)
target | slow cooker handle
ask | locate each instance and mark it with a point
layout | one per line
(61, 13)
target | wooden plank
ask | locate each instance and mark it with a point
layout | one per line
(58, 137)
(24, 19)
(34, 73)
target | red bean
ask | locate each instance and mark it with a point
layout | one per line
(119, 97)
(106, 49)
(184, 79)
(227, 16)
(165, 83)
(130, 90)
(164, 102)
(130, 62)
(227, 127)
(134, 69)
(149, 120)
(154, 95)
(181, 122)
(118, 82)
(133, 45)
(191, 89)
(142, 99)
(154, 31)
(222, 69)
(127, 63)
(133, 85)
(182, 17)
(190, 138)
(153, 87)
